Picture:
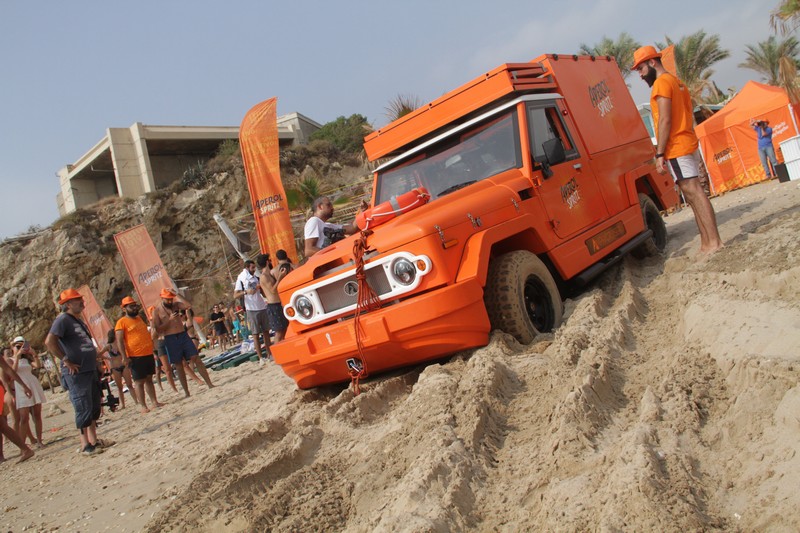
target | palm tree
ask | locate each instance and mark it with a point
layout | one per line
(694, 55)
(765, 56)
(787, 69)
(401, 105)
(304, 193)
(786, 16)
(622, 50)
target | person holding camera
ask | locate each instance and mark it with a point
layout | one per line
(9, 376)
(765, 149)
(25, 360)
(320, 233)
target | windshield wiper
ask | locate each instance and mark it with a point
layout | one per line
(455, 187)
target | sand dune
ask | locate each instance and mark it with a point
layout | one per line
(667, 401)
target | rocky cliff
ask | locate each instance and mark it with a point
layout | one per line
(79, 248)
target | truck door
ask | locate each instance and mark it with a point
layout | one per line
(569, 191)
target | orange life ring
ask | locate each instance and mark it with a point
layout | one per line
(386, 211)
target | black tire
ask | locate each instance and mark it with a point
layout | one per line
(655, 245)
(521, 296)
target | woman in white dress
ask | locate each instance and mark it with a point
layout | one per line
(24, 359)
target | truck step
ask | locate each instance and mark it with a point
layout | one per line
(595, 270)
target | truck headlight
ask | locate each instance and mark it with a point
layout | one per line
(403, 271)
(304, 307)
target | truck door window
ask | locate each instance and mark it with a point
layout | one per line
(545, 123)
(458, 161)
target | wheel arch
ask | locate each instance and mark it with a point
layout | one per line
(515, 235)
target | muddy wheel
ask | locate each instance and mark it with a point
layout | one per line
(655, 245)
(521, 296)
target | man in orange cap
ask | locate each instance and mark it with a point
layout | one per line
(167, 322)
(136, 344)
(70, 341)
(671, 105)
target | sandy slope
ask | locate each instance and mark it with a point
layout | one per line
(667, 401)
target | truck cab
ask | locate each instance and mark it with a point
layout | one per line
(490, 199)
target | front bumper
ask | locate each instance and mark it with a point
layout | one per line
(421, 328)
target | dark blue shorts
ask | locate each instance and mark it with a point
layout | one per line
(179, 347)
(142, 367)
(85, 395)
(277, 320)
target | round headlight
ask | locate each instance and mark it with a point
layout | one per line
(404, 271)
(304, 307)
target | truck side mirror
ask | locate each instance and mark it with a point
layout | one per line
(554, 151)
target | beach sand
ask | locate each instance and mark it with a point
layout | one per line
(668, 400)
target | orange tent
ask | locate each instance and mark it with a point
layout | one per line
(728, 142)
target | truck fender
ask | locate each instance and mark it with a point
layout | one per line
(516, 234)
(646, 180)
(632, 178)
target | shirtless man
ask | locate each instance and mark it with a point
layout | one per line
(167, 322)
(269, 284)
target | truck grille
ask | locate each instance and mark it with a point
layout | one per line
(334, 297)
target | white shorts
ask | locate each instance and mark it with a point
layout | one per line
(683, 167)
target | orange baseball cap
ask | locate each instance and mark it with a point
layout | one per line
(67, 295)
(645, 53)
(127, 301)
(167, 293)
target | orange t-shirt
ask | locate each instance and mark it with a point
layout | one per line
(682, 139)
(138, 341)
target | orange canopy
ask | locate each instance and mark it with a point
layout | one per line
(730, 145)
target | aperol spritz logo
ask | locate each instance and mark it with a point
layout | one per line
(268, 205)
(570, 194)
(600, 96)
(151, 274)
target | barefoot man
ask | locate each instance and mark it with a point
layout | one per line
(677, 146)
(136, 345)
(167, 322)
(269, 284)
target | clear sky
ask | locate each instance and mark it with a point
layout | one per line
(72, 69)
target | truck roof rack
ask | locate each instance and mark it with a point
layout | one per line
(509, 79)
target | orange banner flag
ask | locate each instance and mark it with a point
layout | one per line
(94, 316)
(258, 139)
(668, 59)
(143, 264)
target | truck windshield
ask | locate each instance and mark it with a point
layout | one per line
(458, 161)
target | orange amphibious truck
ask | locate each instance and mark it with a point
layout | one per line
(492, 199)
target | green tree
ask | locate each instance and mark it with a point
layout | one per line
(401, 105)
(765, 57)
(622, 50)
(786, 16)
(304, 194)
(346, 134)
(694, 56)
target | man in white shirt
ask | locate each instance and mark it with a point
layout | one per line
(315, 238)
(255, 307)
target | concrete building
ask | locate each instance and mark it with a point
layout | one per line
(129, 162)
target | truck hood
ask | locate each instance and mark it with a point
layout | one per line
(443, 213)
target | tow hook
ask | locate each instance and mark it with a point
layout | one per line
(354, 365)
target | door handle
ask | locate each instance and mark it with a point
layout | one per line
(577, 166)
